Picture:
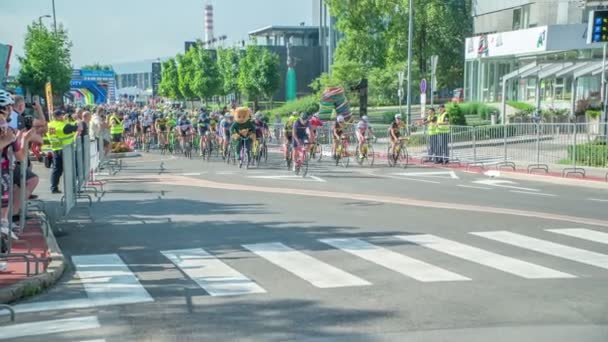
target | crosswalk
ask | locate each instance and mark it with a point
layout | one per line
(108, 280)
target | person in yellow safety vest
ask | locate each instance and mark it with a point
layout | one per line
(443, 133)
(431, 129)
(116, 127)
(60, 134)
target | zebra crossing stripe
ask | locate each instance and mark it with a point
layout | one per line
(585, 234)
(48, 327)
(314, 271)
(108, 281)
(500, 262)
(210, 273)
(400, 263)
(551, 248)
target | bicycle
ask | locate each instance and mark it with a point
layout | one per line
(244, 153)
(187, 148)
(400, 155)
(316, 151)
(289, 159)
(302, 165)
(366, 153)
(262, 153)
(342, 155)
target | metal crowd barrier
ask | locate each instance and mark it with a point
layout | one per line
(569, 147)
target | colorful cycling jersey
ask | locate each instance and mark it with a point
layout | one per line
(290, 122)
(260, 126)
(225, 125)
(339, 128)
(213, 125)
(362, 126)
(300, 129)
(184, 125)
(162, 123)
(203, 122)
(395, 127)
(314, 123)
(146, 121)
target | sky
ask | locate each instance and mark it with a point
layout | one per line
(114, 31)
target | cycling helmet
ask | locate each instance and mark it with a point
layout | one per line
(304, 116)
(364, 118)
(316, 115)
(258, 116)
(5, 98)
(340, 118)
(397, 116)
(228, 116)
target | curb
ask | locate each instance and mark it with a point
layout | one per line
(35, 284)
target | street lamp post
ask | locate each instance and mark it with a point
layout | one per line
(410, 37)
(42, 16)
(54, 19)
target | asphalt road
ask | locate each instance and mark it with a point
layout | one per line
(198, 251)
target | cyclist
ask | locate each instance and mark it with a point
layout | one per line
(338, 132)
(302, 134)
(224, 129)
(146, 125)
(363, 128)
(261, 127)
(203, 127)
(288, 132)
(185, 130)
(395, 131)
(161, 125)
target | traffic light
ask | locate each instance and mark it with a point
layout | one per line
(598, 27)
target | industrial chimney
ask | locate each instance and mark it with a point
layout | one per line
(209, 38)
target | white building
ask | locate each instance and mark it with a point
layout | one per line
(535, 51)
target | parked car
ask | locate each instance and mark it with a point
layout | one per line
(458, 95)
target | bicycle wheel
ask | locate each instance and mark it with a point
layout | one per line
(289, 157)
(360, 159)
(318, 152)
(338, 155)
(389, 156)
(345, 158)
(371, 156)
(405, 156)
(265, 153)
(304, 167)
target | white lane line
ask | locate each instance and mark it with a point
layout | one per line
(477, 255)
(306, 267)
(597, 200)
(395, 176)
(400, 263)
(473, 187)
(48, 327)
(97, 340)
(433, 174)
(546, 247)
(213, 275)
(532, 193)
(318, 179)
(68, 304)
(503, 184)
(107, 280)
(192, 174)
(581, 233)
(291, 177)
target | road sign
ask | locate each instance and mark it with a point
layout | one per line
(423, 86)
(598, 27)
(401, 75)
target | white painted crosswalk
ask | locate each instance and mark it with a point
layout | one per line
(48, 327)
(304, 266)
(107, 280)
(400, 263)
(214, 276)
(546, 247)
(585, 234)
(500, 262)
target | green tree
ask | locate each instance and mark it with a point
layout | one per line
(259, 74)
(169, 84)
(228, 68)
(185, 73)
(97, 66)
(206, 78)
(46, 57)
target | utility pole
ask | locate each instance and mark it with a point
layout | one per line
(54, 20)
(410, 37)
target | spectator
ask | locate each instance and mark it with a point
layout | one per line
(116, 128)
(7, 139)
(24, 138)
(433, 147)
(60, 134)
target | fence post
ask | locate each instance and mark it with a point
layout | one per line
(574, 168)
(69, 178)
(474, 145)
(11, 160)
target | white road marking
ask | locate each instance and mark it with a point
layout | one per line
(433, 174)
(502, 184)
(97, 340)
(532, 193)
(400, 263)
(597, 200)
(581, 233)
(546, 247)
(306, 267)
(473, 187)
(68, 304)
(477, 255)
(290, 177)
(397, 176)
(225, 173)
(108, 281)
(213, 275)
(48, 327)
(192, 174)
(492, 173)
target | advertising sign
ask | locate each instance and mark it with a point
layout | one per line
(598, 27)
(48, 91)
